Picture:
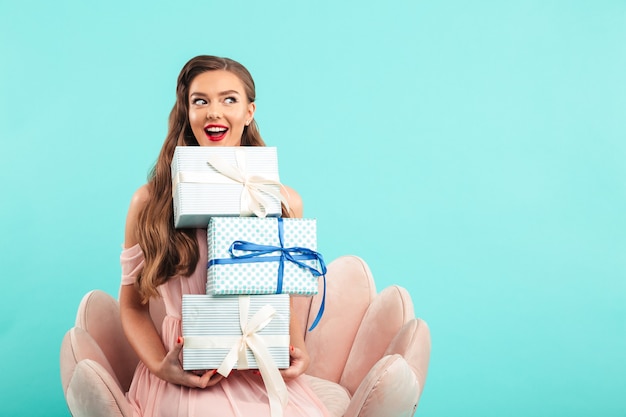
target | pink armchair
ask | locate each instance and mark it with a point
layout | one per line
(369, 354)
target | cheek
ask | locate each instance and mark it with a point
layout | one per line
(245, 116)
(193, 119)
(197, 119)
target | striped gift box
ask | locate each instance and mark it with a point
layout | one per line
(211, 327)
(201, 190)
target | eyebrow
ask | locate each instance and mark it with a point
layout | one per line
(228, 92)
(221, 93)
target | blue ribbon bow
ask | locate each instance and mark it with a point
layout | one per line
(293, 254)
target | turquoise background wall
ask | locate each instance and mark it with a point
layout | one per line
(472, 152)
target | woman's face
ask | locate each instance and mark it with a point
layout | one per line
(218, 108)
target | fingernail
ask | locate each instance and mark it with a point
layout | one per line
(179, 340)
(291, 348)
(214, 372)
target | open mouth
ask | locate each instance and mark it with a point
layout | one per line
(215, 133)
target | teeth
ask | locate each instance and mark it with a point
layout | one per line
(215, 129)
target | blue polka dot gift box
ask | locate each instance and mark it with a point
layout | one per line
(224, 181)
(251, 255)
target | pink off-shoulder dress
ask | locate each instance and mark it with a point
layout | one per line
(242, 394)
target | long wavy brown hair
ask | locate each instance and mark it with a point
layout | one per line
(169, 251)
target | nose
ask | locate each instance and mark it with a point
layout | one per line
(213, 112)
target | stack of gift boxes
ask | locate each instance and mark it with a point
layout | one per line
(256, 259)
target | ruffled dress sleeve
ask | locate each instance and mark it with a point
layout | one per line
(132, 261)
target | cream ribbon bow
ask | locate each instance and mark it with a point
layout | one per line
(274, 383)
(254, 198)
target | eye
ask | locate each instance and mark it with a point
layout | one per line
(230, 100)
(198, 101)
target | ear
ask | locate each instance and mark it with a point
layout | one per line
(251, 110)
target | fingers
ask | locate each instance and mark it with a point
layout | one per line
(295, 352)
(207, 379)
(194, 378)
(288, 373)
(295, 370)
(214, 378)
(175, 350)
(298, 365)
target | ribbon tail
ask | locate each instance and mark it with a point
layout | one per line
(273, 380)
(310, 255)
(249, 204)
(320, 312)
(230, 360)
(260, 192)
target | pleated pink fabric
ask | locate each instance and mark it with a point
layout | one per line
(242, 394)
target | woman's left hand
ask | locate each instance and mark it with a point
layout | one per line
(299, 363)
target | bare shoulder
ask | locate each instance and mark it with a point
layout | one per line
(137, 203)
(296, 207)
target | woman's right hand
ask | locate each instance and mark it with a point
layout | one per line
(171, 370)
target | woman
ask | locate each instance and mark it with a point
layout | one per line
(214, 107)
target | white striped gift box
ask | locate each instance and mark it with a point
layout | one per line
(201, 190)
(211, 328)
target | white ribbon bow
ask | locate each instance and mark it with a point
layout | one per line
(254, 186)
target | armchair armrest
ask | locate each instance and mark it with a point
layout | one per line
(78, 345)
(92, 392)
(390, 389)
(413, 343)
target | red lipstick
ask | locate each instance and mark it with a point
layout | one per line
(215, 132)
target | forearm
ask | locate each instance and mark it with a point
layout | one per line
(140, 330)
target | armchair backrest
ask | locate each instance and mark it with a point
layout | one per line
(99, 315)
